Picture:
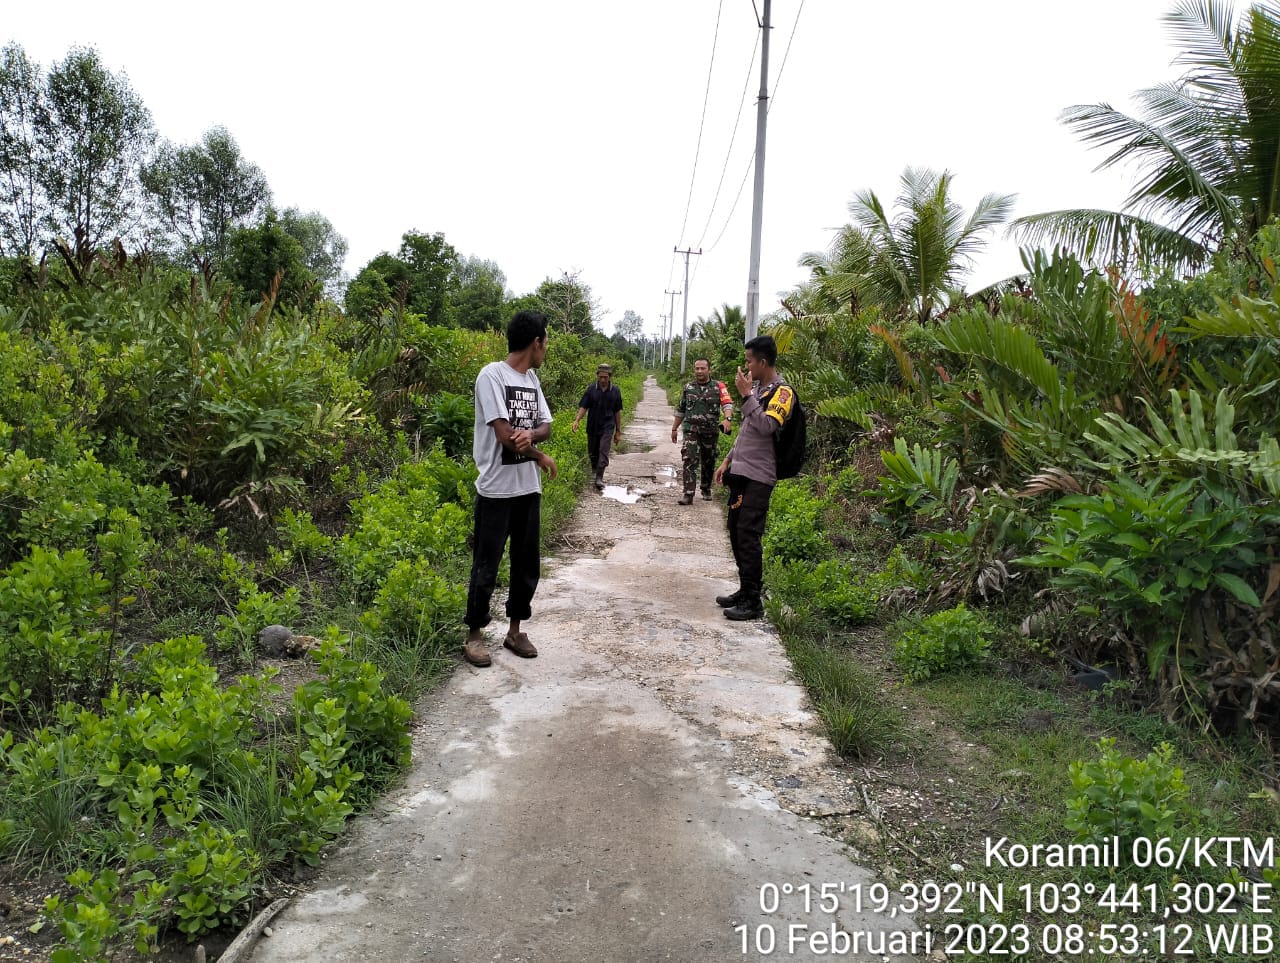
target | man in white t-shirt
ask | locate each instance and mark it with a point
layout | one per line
(511, 418)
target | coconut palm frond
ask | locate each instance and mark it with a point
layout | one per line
(1108, 238)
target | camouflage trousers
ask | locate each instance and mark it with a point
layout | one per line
(701, 448)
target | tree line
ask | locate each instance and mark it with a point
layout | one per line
(82, 166)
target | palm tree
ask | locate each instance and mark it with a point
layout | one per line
(1208, 146)
(721, 336)
(911, 264)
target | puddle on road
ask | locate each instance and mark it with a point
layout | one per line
(665, 476)
(625, 494)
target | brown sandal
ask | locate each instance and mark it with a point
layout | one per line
(520, 645)
(476, 654)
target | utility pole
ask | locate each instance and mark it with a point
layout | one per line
(757, 205)
(671, 321)
(684, 325)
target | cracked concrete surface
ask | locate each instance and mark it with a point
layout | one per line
(623, 797)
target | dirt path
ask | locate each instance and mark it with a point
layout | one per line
(623, 797)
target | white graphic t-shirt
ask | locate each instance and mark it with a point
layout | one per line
(504, 393)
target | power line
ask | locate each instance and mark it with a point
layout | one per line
(702, 122)
(773, 100)
(746, 86)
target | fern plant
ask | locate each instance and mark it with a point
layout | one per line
(920, 479)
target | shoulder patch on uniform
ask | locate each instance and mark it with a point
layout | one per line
(780, 404)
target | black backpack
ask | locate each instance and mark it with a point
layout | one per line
(790, 441)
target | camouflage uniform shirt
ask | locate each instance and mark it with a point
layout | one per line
(703, 407)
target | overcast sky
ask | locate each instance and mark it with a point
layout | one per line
(560, 135)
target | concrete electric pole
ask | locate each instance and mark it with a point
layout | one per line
(671, 318)
(684, 325)
(757, 206)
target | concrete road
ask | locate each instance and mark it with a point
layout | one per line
(641, 791)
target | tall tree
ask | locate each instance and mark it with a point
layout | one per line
(569, 304)
(202, 192)
(478, 293)
(22, 200)
(1207, 147)
(257, 256)
(324, 250)
(631, 328)
(915, 259)
(417, 277)
(94, 139)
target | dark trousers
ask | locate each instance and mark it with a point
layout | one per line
(699, 451)
(496, 520)
(598, 446)
(748, 510)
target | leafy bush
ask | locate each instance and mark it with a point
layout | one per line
(50, 644)
(945, 640)
(449, 419)
(254, 611)
(299, 534)
(793, 531)
(63, 507)
(1117, 795)
(920, 480)
(408, 518)
(414, 604)
(211, 877)
(1141, 552)
(837, 590)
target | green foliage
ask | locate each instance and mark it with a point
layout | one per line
(90, 142)
(299, 534)
(449, 419)
(848, 700)
(61, 507)
(49, 642)
(793, 530)
(1141, 552)
(212, 875)
(415, 514)
(99, 915)
(265, 263)
(254, 611)
(944, 641)
(1190, 441)
(201, 193)
(921, 481)
(416, 605)
(1119, 796)
(416, 279)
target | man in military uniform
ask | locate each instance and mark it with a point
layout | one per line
(706, 410)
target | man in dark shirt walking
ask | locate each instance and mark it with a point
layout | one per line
(602, 405)
(750, 470)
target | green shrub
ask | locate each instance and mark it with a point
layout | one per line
(945, 640)
(299, 534)
(449, 419)
(415, 605)
(254, 611)
(794, 531)
(211, 878)
(49, 640)
(417, 513)
(1144, 553)
(920, 480)
(1117, 795)
(62, 507)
